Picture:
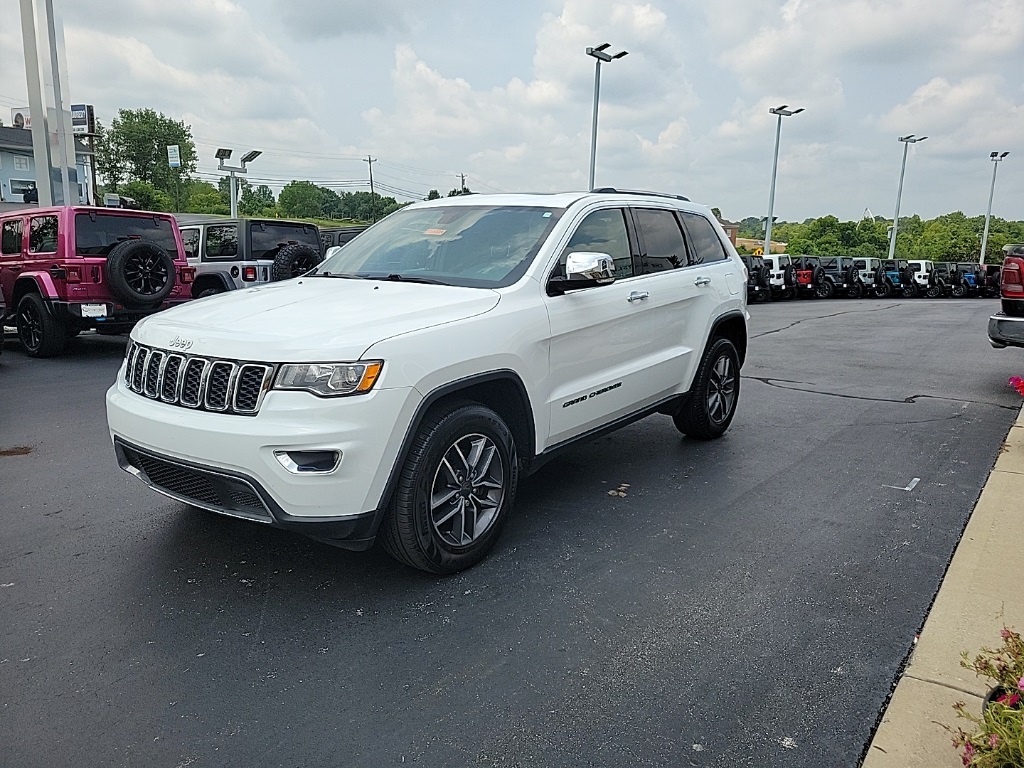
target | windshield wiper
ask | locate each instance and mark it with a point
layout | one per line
(336, 274)
(395, 277)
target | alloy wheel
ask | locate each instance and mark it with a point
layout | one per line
(721, 390)
(467, 491)
(30, 326)
(146, 273)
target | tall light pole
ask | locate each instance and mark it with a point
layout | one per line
(907, 141)
(782, 112)
(599, 54)
(995, 157)
(248, 157)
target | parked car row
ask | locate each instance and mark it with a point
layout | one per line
(782, 276)
(73, 268)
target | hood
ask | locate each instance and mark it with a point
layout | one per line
(311, 319)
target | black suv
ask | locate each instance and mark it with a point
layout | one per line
(758, 278)
(841, 278)
(332, 236)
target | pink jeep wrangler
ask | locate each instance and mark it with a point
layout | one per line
(66, 269)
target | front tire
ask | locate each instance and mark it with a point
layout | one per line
(826, 290)
(455, 490)
(712, 401)
(959, 291)
(41, 334)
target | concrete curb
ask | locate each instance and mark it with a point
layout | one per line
(980, 594)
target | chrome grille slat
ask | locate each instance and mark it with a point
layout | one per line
(151, 379)
(200, 383)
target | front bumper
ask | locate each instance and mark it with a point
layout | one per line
(227, 463)
(1005, 331)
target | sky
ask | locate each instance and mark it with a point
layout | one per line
(503, 93)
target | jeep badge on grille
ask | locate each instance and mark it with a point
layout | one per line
(179, 343)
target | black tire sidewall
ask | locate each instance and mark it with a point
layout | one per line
(421, 465)
(693, 418)
(117, 261)
(54, 336)
(284, 262)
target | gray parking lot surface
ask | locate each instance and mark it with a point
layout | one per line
(748, 601)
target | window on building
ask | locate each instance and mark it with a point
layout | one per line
(21, 163)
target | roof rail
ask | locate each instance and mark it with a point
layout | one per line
(613, 190)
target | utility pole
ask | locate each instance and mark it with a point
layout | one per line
(462, 182)
(373, 198)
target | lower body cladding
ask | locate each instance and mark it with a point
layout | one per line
(1005, 331)
(312, 465)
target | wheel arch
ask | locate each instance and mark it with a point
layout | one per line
(731, 326)
(210, 280)
(29, 283)
(502, 391)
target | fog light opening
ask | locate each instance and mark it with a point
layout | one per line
(309, 462)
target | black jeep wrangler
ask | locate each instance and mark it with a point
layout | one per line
(758, 278)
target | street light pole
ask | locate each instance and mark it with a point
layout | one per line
(599, 54)
(248, 157)
(995, 157)
(782, 112)
(907, 141)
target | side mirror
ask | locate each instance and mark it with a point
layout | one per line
(331, 251)
(583, 269)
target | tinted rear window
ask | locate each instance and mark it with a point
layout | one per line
(96, 234)
(268, 238)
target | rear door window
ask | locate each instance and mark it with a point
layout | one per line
(10, 239)
(664, 245)
(222, 241)
(707, 247)
(97, 233)
(42, 234)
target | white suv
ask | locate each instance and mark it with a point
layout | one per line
(403, 387)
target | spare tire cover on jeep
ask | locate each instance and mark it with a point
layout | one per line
(818, 276)
(294, 260)
(789, 275)
(139, 273)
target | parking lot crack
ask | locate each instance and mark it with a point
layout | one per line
(912, 400)
(824, 317)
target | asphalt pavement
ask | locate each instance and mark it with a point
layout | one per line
(749, 602)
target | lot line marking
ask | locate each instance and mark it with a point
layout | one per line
(910, 487)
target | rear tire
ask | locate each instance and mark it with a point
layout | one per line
(711, 403)
(41, 333)
(826, 290)
(449, 507)
(209, 292)
(958, 291)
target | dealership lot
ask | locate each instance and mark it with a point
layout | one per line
(746, 602)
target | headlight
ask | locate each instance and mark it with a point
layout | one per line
(330, 379)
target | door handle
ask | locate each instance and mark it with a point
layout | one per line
(702, 281)
(638, 296)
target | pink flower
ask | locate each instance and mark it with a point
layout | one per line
(968, 753)
(1017, 383)
(1020, 683)
(993, 740)
(1004, 632)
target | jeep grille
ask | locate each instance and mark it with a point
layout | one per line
(222, 386)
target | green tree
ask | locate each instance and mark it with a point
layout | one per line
(433, 195)
(464, 191)
(301, 198)
(134, 148)
(256, 201)
(147, 196)
(203, 197)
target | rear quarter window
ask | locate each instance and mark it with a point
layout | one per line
(707, 247)
(10, 237)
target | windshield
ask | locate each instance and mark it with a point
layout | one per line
(477, 246)
(97, 233)
(269, 238)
